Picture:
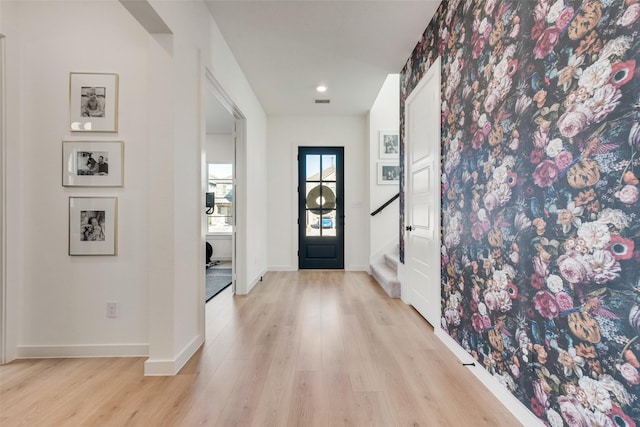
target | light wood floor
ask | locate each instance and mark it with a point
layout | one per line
(309, 348)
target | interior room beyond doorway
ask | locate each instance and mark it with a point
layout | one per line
(220, 172)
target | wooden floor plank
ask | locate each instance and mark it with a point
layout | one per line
(306, 348)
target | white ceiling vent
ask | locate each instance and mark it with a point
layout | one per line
(323, 101)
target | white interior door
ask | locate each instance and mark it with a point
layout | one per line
(422, 112)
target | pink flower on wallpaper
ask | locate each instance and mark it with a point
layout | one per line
(546, 174)
(478, 46)
(630, 15)
(605, 99)
(604, 266)
(540, 266)
(546, 304)
(563, 160)
(547, 41)
(491, 300)
(628, 194)
(486, 321)
(565, 302)
(478, 139)
(573, 267)
(536, 407)
(489, 6)
(540, 11)
(535, 156)
(477, 231)
(565, 18)
(537, 30)
(504, 301)
(491, 102)
(476, 321)
(541, 394)
(573, 412)
(491, 201)
(540, 138)
(537, 281)
(452, 316)
(630, 373)
(574, 120)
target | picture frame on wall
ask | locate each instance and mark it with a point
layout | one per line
(92, 163)
(389, 144)
(93, 225)
(388, 173)
(93, 102)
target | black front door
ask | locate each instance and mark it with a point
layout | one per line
(321, 207)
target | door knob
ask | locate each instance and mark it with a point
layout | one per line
(409, 228)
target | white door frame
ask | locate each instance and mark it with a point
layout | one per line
(3, 210)
(408, 290)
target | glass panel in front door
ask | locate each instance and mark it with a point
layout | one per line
(320, 191)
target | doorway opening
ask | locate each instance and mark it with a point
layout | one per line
(321, 207)
(220, 208)
(220, 212)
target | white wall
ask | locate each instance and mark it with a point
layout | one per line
(222, 248)
(62, 299)
(384, 115)
(198, 44)
(285, 134)
(220, 148)
(57, 301)
(12, 190)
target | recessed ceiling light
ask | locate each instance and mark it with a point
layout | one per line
(321, 88)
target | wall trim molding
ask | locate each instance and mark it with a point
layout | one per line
(364, 268)
(526, 417)
(254, 282)
(283, 268)
(75, 351)
(168, 367)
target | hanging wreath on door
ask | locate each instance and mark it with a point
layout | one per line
(321, 198)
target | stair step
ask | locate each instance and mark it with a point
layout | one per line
(392, 260)
(387, 277)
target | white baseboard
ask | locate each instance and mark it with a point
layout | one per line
(357, 268)
(252, 283)
(521, 412)
(171, 367)
(283, 268)
(74, 351)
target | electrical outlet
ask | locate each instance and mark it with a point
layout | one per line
(112, 309)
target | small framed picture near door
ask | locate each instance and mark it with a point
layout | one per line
(389, 144)
(388, 173)
(93, 225)
(92, 163)
(93, 102)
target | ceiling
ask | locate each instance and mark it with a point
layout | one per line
(287, 48)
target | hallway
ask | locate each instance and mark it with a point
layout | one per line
(307, 348)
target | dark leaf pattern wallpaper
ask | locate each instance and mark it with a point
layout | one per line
(540, 198)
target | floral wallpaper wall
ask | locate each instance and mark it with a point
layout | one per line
(540, 198)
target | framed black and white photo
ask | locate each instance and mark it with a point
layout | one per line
(389, 144)
(93, 223)
(388, 173)
(93, 102)
(92, 163)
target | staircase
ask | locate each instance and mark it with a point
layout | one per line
(386, 273)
